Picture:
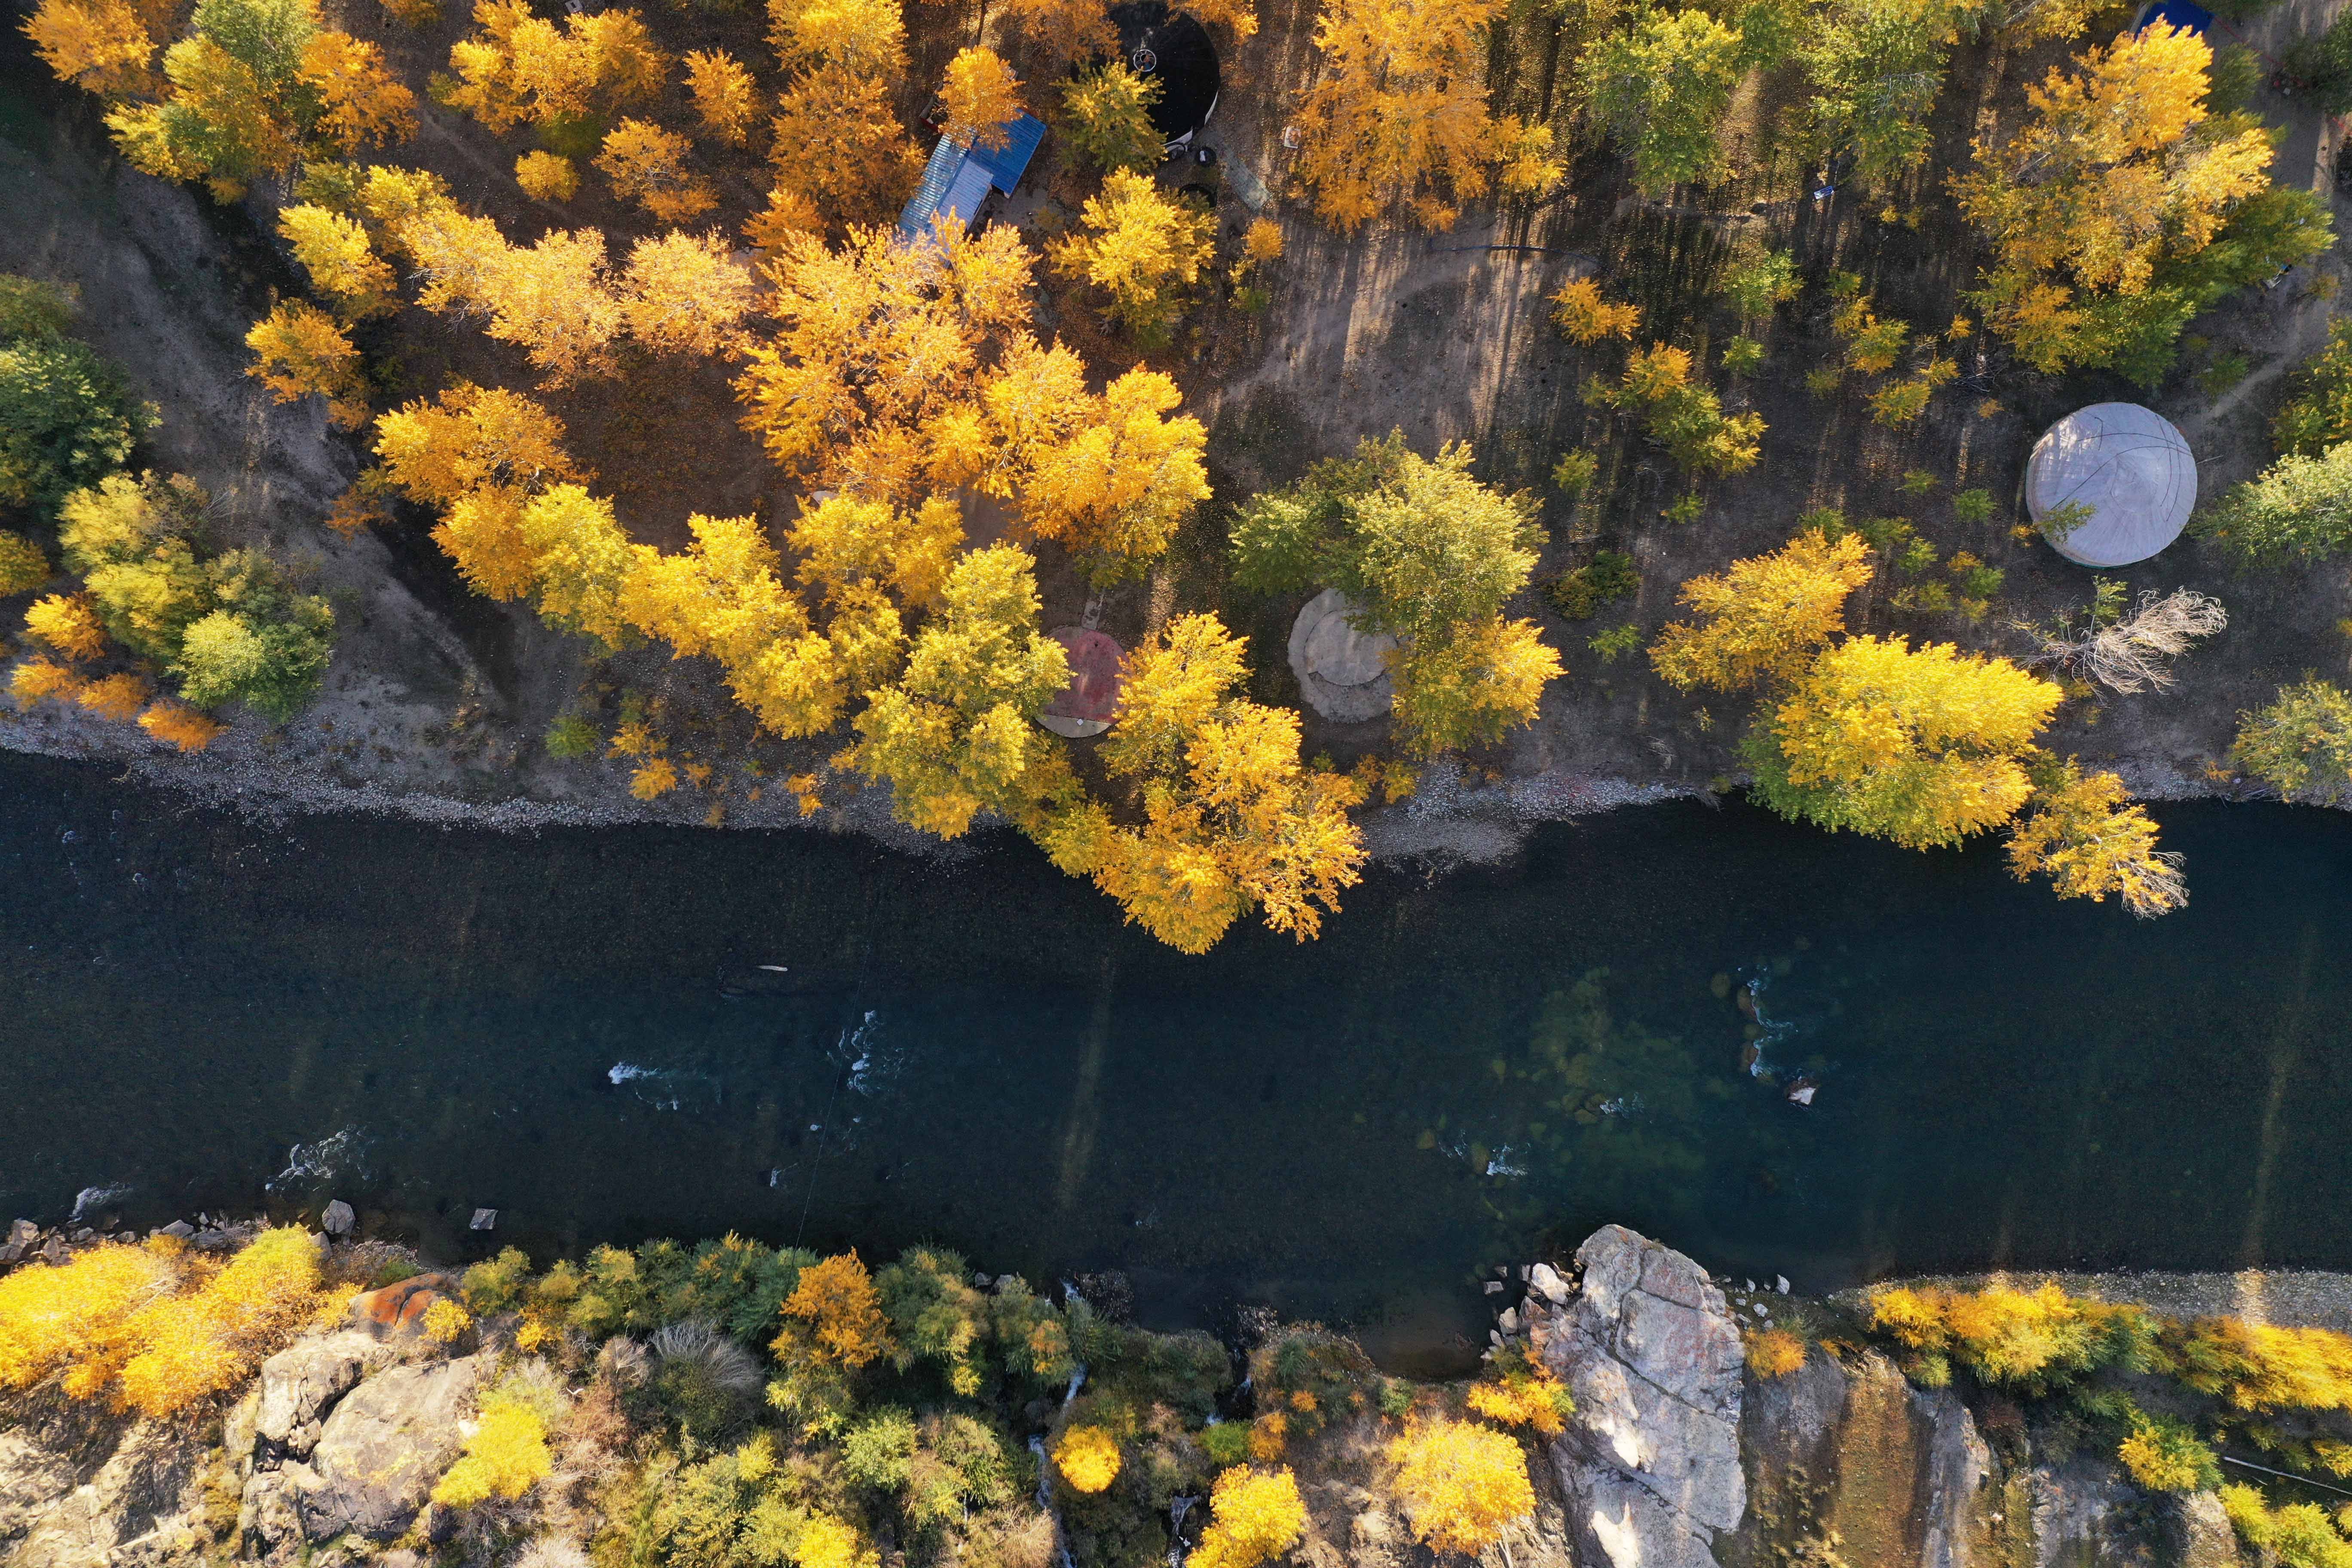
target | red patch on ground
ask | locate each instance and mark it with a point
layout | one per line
(1094, 687)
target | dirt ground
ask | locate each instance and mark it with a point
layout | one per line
(437, 700)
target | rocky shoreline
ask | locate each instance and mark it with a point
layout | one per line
(1677, 1454)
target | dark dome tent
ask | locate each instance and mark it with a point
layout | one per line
(1174, 50)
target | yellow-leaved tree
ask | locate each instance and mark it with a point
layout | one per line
(334, 250)
(1764, 617)
(1228, 819)
(981, 95)
(477, 457)
(100, 46)
(1141, 248)
(2101, 207)
(1396, 122)
(518, 67)
(2085, 835)
(1460, 1483)
(835, 1299)
(955, 733)
(1922, 746)
(726, 99)
(1254, 1515)
(1115, 489)
(299, 351)
(648, 165)
(687, 294)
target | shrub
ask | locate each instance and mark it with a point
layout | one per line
(2297, 1534)
(74, 1313)
(1581, 311)
(22, 567)
(1460, 1483)
(2165, 1455)
(1522, 1392)
(1254, 1517)
(271, 664)
(182, 727)
(189, 1348)
(1578, 593)
(505, 1457)
(36, 679)
(2256, 1367)
(1743, 356)
(1775, 1352)
(1087, 1458)
(1755, 287)
(2301, 744)
(571, 736)
(2297, 509)
(836, 1297)
(1574, 471)
(497, 1284)
(2039, 1342)
(68, 625)
(116, 699)
(446, 1322)
(547, 176)
(1226, 1443)
(704, 1378)
(67, 420)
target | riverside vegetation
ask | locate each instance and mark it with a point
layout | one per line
(732, 1404)
(901, 390)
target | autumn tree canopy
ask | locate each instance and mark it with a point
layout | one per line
(1397, 123)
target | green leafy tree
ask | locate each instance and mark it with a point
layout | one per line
(2319, 414)
(2297, 509)
(1109, 118)
(1430, 556)
(1662, 88)
(67, 417)
(1876, 68)
(2301, 744)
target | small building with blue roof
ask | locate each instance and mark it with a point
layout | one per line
(960, 176)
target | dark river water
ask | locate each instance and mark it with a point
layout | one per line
(202, 1012)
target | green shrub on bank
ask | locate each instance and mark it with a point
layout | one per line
(2301, 744)
(67, 417)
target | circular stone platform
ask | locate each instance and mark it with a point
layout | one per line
(1090, 701)
(1341, 671)
(2130, 466)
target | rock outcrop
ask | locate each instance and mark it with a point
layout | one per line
(1650, 1463)
(374, 1459)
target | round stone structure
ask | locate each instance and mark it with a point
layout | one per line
(1090, 701)
(1342, 672)
(2129, 467)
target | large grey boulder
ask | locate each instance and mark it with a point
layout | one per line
(301, 1384)
(1650, 1463)
(377, 1456)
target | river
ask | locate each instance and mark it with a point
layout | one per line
(200, 1011)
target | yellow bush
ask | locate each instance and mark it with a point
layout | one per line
(182, 727)
(75, 1312)
(1254, 1515)
(547, 175)
(2040, 1339)
(446, 1322)
(836, 1297)
(1460, 1483)
(193, 1346)
(505, 1457)
(2253, 1366)
(1268, 1435)
(1087, 1458)
(22, 567)
(1524, 1393)
(68, 624)
(1775, 1352)
(117, 698)
(654, 780)
(36, 678)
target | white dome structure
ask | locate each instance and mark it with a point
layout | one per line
(1342, 672)
(2130, 466)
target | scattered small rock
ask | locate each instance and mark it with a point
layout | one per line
(1493, 1287)
(1545, 1281)
(337, 1218)
(1510, 1320)
(178, 1227)
(54, 1249)
(24, 1232)
(484, 1219)
(1780, 1283)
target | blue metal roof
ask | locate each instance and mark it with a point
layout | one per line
(958, 177)
(2185, 16)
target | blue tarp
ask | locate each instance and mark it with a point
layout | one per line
(2184, 15)
(958, 177)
